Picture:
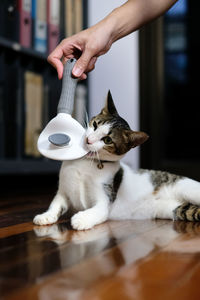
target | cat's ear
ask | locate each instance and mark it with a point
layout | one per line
(136, 138)
(109, 107)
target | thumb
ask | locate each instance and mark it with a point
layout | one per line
(82, 64)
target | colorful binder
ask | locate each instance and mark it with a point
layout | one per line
(78, 15)
(33, 95)
(69, 21)
(40, 25)
(25, 23)
(53, 20)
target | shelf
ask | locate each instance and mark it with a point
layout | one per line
(8, 167)
(18, 48)
(29, 90)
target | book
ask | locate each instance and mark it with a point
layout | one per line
(73, 17)
(53, 21)
(40, 25)
(19, 119)
(78, 16)
(11, 86)
(62, 20)
(33, 17)
(69, 22)
(25, 23)
(33, 95)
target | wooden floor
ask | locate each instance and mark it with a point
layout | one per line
(116, 260)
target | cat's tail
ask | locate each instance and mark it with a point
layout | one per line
(187, 212)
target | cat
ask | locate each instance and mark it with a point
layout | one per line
(101, 187)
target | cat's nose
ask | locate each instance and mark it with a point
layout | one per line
(88, 141)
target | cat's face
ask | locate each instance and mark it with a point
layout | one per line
(110, 135)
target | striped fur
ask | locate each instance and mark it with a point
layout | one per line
(187, 212)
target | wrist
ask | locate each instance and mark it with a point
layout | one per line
(119, 22)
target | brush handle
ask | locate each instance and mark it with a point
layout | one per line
(66, 102)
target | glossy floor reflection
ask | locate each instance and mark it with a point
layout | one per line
(149, 259)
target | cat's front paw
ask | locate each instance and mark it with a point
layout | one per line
(82, 221)
(45, 219)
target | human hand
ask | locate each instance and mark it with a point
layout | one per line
(85, 46)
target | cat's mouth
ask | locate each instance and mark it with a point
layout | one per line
(91, 154)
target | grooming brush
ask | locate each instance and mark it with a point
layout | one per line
(63, 138)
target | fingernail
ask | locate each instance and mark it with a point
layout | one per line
(77, 71)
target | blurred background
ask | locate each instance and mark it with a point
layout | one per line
(169, 91)
(152, 75)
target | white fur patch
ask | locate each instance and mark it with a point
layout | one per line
(94, 137)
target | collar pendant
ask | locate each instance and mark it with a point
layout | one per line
(100, 165)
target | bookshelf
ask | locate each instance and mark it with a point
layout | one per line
(29, 83)
(169, 91)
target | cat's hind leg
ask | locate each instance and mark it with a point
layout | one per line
(188, 190)
(57, 208)
(188, 193)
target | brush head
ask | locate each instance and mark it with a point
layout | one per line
(63, 139)
(59, 139)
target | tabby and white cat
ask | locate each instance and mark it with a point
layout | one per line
(101, 187)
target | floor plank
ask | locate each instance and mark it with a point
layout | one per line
(148, 259)
(14, 230)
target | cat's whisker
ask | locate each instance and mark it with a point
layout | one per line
(83, 158)
(92, 161)
(97, 153)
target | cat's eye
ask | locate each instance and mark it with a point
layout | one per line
(107, 140)
(95, 125)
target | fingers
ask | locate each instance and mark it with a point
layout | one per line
(83, 76)
(82, 63)
(91, 64)
(55, 60)
(85, 63)
(79, 69)
(90, 67)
